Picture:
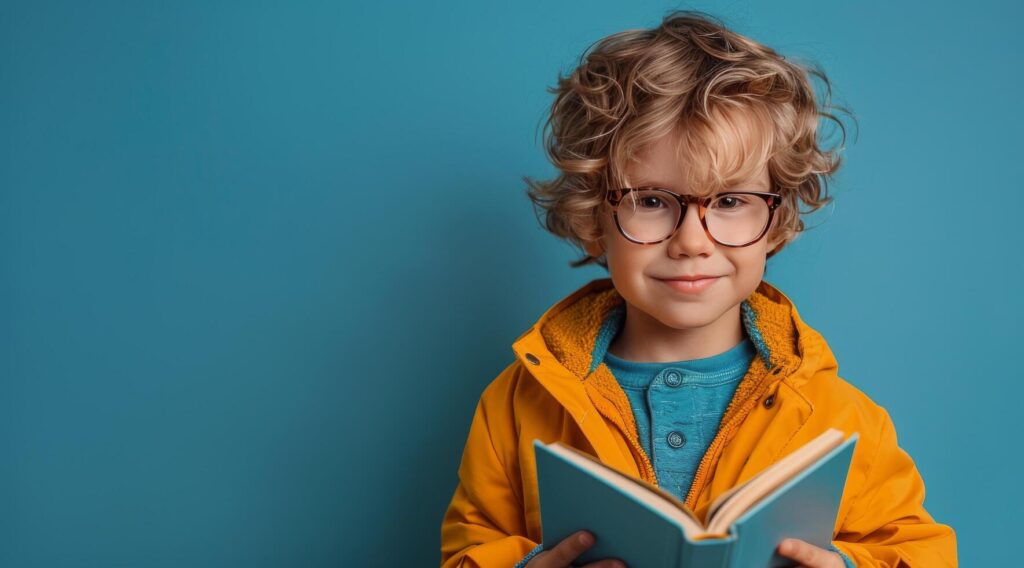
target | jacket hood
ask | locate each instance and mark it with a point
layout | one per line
(575, 332)
(564, 349)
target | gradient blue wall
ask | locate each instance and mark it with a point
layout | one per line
(258, 260)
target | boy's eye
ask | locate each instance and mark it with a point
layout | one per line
(651, 202)
(726, 202)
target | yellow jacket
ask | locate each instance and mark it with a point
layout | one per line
(790, 393)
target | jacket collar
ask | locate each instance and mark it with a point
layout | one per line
(561, 352)
(573, 334)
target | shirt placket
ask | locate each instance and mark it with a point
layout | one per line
(675, 428)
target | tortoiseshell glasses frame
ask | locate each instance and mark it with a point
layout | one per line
(772, 199)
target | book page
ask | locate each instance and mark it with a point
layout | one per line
(733, 503)
(724, 497)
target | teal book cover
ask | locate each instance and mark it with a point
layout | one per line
(797, 497)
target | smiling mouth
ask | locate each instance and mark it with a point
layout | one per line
(691, 286)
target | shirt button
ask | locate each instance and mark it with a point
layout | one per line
(676, 439)
(673, 379)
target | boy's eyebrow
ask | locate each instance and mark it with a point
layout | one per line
(645, 183)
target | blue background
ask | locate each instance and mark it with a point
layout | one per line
(260, 259)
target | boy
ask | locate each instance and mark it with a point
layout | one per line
(683, 153)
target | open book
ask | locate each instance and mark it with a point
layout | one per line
(647, 527)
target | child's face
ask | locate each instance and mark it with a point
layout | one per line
(638, 270)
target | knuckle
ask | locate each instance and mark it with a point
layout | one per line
(565, 551)
(806, 555)
(555, 557)
(548, 559)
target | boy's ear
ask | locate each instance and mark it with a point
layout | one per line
(776, 244)
(594, 248)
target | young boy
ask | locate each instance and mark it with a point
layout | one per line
(683, 152)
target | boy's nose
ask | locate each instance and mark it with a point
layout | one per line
(691, 239)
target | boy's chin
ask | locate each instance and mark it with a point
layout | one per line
(690, 316)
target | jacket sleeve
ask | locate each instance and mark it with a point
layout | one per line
(484, 524)
(887, 524)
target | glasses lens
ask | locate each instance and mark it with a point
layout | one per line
(737, 219)
(650, 215)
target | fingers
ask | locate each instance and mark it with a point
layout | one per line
(806, 554)
(569, 549)
(565, 552)
(606, 563)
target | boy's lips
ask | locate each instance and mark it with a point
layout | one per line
(690, 284)
(689, 277)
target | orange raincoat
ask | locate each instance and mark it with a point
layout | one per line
(790, 393)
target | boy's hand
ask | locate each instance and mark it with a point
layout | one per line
(563, 554)
(808, 555)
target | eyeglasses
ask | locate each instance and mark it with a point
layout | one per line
(732, 219)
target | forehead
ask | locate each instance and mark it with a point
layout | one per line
(704, 156)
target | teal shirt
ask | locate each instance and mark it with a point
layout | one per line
(679, 405)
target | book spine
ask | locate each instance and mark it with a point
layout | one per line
(706, 554)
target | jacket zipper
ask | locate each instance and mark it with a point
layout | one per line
(700, 477)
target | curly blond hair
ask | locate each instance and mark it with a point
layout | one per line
(693, 75)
